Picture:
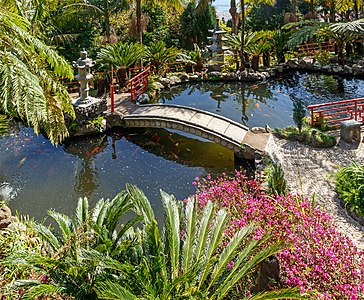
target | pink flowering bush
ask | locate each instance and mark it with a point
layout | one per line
(318, 257)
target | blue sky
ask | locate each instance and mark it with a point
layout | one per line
(222, 5)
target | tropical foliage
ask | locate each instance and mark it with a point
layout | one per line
(350, 187)
(28, 78)
(87, 258)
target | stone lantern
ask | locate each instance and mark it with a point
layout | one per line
(84, 64)
(217, 48)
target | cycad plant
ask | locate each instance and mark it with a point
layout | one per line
(158, 55)
(188, 260)
(71, 263)
(122, 55)
(192, 258)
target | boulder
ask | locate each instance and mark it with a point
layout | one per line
(326, 68)
(310, 65)
(5, 216)
(184, 77)
(293, 63)
(302, 64)
(158, 86)
(337, 69)
(143, 99)
(348, 70)
(317, 65)
(174, 80)
(258, 130)
(194, 77)
(165, 81)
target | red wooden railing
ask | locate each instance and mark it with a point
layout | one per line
(334, 112)
(138, 84)
(314, 47)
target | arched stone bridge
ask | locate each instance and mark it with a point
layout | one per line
(208, 125)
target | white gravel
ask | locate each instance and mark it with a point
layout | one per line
(309, 171)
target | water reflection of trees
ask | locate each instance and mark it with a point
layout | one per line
(86, 149)
(246, 95)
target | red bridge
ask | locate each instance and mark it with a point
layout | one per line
(335, 112)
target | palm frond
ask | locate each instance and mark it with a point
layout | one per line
(48, 235)
(141, 204)
(35, 289)
(228, 254)
(203, 231)
(65, 224)
(113, 291)
(4, 125)
(216, 238)
(189, 234)
(238, 273)
(172, 232)
(82, 212)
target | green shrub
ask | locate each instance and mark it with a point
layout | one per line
(299, 113)
(350, 187)
(275, 179)
(308, 135)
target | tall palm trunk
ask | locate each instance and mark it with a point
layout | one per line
(242, 58)
(235, 22)
(107, 20)
(139, 21)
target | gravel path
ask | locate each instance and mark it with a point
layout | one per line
(307, 171)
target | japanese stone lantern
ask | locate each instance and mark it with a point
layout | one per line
(84, 64)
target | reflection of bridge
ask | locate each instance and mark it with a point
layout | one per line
(210, 126)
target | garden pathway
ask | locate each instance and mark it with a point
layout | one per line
(308, 170)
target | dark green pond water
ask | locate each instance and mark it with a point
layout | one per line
(36, 177)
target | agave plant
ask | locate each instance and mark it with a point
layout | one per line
(186, 261)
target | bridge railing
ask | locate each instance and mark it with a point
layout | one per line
(335, 112)
(310, 49)
(138, 84)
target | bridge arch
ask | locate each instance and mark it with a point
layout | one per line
(210, 126)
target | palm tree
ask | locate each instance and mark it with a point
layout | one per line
(103, 9)
(158, 55)
(28, 78)
(123, 56)
(171, 3)
(242, 39)
(186, 261)
(339, 33)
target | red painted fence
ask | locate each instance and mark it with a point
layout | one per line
(335, 112)
(138, 84)
(310, 49)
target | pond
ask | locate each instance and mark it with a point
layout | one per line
(269, 102)
(36, 177)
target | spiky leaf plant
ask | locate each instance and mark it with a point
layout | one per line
(186, 261)
(72, 258)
